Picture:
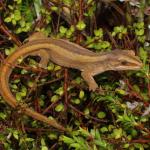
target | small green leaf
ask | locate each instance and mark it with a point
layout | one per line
(54, 8)
(10, 7)
(16, 81)
(139, 32)
(50, 66)
(139, 146)
(126, 145)
(62, 29)
(121, 91)
(98, 33)
(18, 96)
(8, 19)
(70, 32)
(75, 145)
(23, 91)
(118, 133)
(105, 44)
(60, 91)
(72, 28)
(76, 101)
(22, 23)
(14, 86)
(78, 80)
(110, 127)
(43, 142)
(41, 102)
(18, 1)
(104, 129)
(101, 45)
(23, 71)
(89, 1)
(101, 115)
(67, 140)
(113, 33)
(84, 132)
(141, 38)
(57, 68)
(134, 133)
(30, 84)
(143, 54)
(59, 107)
(52, 136)
(138, 25)
(15, 135)
(81, 25)
(91, 10)
(67, 2)
(3, 115)
(44, 148)
(81, 94)
(29, 139)
(54, 98)
(9, 51)
(136, 88)
(17, 15)
(86, 111)
(13, 21)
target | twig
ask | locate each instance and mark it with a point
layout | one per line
(148, 86)
(66, 86)
(4, 29)
(48, 108)
(136, 94)
(91, 117)
(65, 93)
(79, 37)
(143, 141)
(51, 81)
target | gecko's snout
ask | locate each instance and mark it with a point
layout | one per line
(138, 62)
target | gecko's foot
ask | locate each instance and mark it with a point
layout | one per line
(93, 87)
(43, 63)
(100, 90)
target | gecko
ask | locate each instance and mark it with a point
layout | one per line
(66, 54)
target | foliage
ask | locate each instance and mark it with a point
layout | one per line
(115, 118)
(82, 139)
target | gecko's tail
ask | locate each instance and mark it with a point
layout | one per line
(5, 71)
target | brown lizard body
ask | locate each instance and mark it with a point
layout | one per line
(65, 54)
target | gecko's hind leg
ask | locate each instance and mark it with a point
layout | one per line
(44, 56)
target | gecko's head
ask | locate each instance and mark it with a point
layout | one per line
(125, 60)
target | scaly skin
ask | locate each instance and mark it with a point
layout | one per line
(66, 54)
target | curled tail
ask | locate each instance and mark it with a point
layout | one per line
(5, 71)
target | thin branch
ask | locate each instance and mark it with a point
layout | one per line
(5, 30)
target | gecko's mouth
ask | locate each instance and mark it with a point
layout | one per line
(138, 64)
(132, 66)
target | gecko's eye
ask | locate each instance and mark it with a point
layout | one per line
(124, 62)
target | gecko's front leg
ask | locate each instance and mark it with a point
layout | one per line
(90, 80)
(44, 56)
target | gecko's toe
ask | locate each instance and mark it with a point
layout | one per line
(43, 63)
(93, 87)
